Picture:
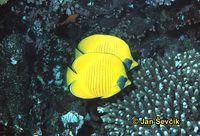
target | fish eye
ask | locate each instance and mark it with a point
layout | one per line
(127, 62)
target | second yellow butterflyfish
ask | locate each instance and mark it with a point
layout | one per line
(107, 44)
(96, 75)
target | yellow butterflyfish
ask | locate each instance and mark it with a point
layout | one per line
(96, 75)
(100, 43)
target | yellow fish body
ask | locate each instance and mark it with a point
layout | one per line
(100, 43)
(96, 75)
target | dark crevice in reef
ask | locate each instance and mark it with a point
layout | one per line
(183, 30)
(179, 4)
(9, 21)
(7, 130)
(86, 130)
(176, 5)
(6, 22)
(30, 58)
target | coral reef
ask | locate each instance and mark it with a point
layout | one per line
(159, 2)
(37, 39)
(166, 87)
(14, 89)
(12, 49)
(74, 118)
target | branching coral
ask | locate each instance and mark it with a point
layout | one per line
(168, 88)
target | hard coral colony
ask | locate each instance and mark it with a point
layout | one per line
(168, 88)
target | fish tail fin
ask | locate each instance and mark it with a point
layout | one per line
(70, 76)
(128, 82)
(134, 64)
(78, 53)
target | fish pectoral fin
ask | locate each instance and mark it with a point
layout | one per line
(78, 53)
(134, 64)
(114, 90)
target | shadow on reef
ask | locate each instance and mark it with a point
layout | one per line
(10, 22)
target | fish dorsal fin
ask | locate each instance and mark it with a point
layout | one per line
(78, 53)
